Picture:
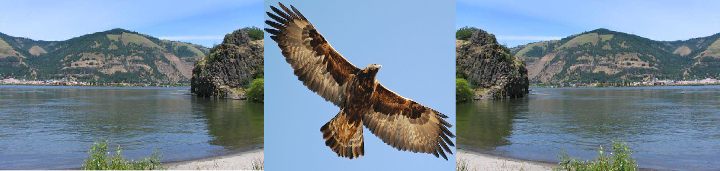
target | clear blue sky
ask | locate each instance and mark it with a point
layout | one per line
(199, 22)
(412, 40)
(521, 22)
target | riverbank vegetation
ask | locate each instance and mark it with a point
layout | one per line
(257, 164)
(462, 165)
(621, 160)
(256, 91)
(100, 159)
(463, 91)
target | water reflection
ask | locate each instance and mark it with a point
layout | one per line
(53, 127)
(487, 124)
(659, 123)
(233, 124)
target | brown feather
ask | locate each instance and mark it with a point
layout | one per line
(315, 62)
(344, 136)
(407, 125)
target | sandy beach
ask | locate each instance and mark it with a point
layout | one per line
(479, 161)
(238, 161)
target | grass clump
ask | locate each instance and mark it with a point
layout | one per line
(463, 91)
(462, 165)
(257, 164)
(620, 161)
(256, 90)
(100, 159)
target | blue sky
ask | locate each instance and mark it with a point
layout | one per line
(520, 22)
(199, 22)
(413, 40)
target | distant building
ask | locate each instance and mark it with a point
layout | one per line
(11, 81)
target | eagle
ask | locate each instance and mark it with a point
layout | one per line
(400, 122)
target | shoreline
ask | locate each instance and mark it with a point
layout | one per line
(672, 85)
(481, 161)
(50, 85)
(235, 161)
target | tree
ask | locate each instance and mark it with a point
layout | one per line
(463, 90)
(254, 33)
(256, 90)
(465, 33)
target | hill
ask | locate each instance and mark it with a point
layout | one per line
(603, 55)
(111, 56)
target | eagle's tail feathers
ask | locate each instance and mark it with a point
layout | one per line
(343, 136)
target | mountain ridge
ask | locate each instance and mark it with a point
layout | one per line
(603, 55)
(111, 56)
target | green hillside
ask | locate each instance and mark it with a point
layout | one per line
(603, 55)
(111, 56)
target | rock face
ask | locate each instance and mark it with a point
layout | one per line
(490, 67)
(228, 67)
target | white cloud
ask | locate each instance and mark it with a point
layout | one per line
(192, 37)
(534, 38)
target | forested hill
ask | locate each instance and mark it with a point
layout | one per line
(113, 56)
(603, 55)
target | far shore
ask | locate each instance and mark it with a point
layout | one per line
(100, 85)
(608, 86)
(237, 161)
(481, 161)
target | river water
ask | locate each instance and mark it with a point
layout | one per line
(666, 127)
(53, 127)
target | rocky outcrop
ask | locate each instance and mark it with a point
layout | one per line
(490, 67)
(229, 67)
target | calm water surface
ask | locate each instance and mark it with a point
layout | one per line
(666, 127)
(46, 127)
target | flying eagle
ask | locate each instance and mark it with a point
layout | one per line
(400, 122)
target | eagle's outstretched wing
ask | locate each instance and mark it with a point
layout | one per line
(407, 125)
(315, 62)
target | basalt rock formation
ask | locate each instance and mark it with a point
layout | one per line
(490, 67)
(229, 67)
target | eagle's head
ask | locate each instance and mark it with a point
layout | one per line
(373, 67)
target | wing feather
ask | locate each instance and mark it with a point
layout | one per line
(407, 125)
(322, 69)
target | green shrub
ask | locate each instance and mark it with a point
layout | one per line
(100, 159)
(465, 33)
(621, 161)
(463, 91)
(254, 33)
(256, 90)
